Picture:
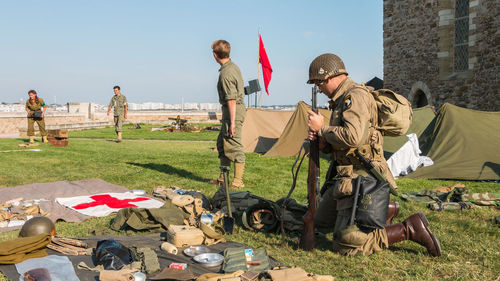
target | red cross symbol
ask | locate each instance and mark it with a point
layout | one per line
(112, 202)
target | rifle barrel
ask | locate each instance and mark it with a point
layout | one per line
(307, 239)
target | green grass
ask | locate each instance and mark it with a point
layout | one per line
(470, 242)
(146, 133)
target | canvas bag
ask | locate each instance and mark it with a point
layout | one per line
(373, 200)
(234, 260)
(184, 235)
(394, 112)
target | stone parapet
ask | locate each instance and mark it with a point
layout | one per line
(15, 123)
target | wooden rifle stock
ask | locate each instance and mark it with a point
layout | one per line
(307, 239)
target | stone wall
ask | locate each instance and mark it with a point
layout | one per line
(419, 55)
(15, 124)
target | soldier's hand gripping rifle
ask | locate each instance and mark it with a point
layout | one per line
(307, 239)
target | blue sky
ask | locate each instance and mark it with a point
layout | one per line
(160, 50)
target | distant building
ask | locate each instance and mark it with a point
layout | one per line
(12, 107)
(438, 51)
(210, 106)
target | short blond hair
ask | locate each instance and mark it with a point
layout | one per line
(221, 48)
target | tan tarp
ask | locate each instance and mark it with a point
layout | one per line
(463, 143)
(422, 117)
(262, 128)
(295, 132)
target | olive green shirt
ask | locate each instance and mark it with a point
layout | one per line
(230, 87)
(35, 106)
(118, 103)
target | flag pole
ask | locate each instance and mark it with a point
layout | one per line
(258, 73)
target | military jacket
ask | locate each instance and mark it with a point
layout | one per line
(352, 126)
(230, 87)
(35, 106)
(118, 103)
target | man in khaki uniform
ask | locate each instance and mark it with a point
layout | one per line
(231, 96)
(353, 127)
(119, 103)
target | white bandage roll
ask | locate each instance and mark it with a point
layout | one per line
(169, 248)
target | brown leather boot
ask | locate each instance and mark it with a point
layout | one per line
(218, 181)
(415, 228)
(392, 212)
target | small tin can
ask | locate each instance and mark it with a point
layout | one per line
(207, 218)
(178, 265)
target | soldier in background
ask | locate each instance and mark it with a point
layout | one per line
(231, 96)
(119, 103)
(35, 107)
(353, 127)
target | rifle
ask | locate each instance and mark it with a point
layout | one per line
(307, 239)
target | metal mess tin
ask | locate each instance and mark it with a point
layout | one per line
(192, 251)
(209, 259)
(139, 276)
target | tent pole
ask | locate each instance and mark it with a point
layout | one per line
(258, 72)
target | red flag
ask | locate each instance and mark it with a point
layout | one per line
(267, 70)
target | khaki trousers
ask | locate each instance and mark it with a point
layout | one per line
(231, 148)
(118, 123)
(347, 240)
(31, 126)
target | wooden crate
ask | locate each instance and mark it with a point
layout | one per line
(57, 133)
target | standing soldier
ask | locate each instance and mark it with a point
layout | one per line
(36, 107)
(119, 102)
(353, 127)
(231, 97)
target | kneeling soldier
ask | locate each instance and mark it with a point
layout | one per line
(353, 126)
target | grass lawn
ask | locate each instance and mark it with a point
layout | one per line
(146, 133)
(470, 241)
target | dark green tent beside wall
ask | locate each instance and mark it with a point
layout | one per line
(422, 117)
(463, 143)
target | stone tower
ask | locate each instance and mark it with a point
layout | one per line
(438, 51)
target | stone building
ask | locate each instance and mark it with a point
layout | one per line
(438, 51)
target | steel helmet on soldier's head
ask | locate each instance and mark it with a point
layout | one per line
(324, 67)
(36, 226)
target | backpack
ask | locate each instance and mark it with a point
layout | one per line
(244, 202)
(394, 112)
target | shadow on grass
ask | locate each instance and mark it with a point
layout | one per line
(398, 249)
(321, 242)
(171, 170)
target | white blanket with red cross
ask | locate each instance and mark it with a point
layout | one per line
(103, 204)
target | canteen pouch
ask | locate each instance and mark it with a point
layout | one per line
(37, 114)
(113, 255)
(373, 201)
(184, 235)
(234, 260)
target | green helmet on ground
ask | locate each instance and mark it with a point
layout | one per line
(324, 67)
(36, 226)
